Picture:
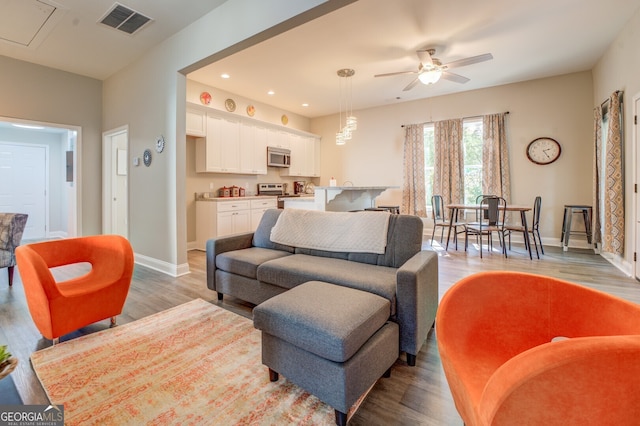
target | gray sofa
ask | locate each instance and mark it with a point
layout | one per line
(253, 268)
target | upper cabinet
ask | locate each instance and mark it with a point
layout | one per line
(219, 151)
(227, 143)
(305, 159)
(196, 122)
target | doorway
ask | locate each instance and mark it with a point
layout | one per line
(636, 140)
(115, 182)
(38, 172)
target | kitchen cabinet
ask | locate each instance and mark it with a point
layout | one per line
(220, 217)
(219, 151)
(253, 149)
(196, 122)
(305, 160)
(258, 207)
(229, 143)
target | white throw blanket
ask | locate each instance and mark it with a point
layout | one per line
(360, 232)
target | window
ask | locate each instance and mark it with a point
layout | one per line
(472, 146)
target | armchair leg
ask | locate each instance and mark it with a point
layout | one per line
(113, 322)
(10, 269)
(55, 341)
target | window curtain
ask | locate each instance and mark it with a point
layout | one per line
(495, 157)
(612, 215)
(448, 168)
(413, 187)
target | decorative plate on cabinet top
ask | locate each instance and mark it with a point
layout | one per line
(230, 105)
(284, 119)
(205, 98)
(251, 110)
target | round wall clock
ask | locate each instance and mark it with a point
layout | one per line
(543, 150)
(146, 157)
(160, 143)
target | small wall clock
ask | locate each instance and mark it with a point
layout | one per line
(543, 150)
(146, 157)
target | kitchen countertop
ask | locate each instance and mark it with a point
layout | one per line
(356, 188)
(201, 197)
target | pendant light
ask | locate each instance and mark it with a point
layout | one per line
(350, 121)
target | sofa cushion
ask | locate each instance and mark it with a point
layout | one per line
(291, 271)
(330, 321)
(246, 261)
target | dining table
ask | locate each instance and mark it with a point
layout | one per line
(456, 208)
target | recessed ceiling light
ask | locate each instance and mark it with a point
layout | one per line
(305, 105)
(225, 75)
(271, 92)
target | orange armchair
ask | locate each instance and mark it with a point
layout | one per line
(58, 308)
(501, 337)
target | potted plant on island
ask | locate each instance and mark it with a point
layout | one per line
(7, 362)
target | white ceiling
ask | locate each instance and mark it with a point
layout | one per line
(528, 40)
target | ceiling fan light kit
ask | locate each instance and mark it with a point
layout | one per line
(351, 122)
(430, 69)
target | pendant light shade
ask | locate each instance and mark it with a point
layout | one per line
(350, 122)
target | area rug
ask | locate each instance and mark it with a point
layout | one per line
(192, 364)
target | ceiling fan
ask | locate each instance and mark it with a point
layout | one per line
(430, 69)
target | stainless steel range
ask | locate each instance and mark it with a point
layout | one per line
(277, 189)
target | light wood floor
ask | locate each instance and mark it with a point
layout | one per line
(412, 395)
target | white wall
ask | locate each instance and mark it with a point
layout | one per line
(37, 93)
(558, 107)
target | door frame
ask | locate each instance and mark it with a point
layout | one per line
(108, 170)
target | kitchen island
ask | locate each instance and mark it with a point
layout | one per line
(339, 198)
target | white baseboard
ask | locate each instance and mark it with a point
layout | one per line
(162, 266)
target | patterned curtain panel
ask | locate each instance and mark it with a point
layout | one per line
(413, 187)
(495, 157)
(597, 161)
(448, 170)
(614, 181)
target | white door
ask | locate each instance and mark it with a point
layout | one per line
(23, 185)
(115, 181)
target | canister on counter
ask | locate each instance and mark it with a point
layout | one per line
(242, 192)
(235, 191)
(224, 192)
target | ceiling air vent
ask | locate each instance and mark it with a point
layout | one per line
(124, 19)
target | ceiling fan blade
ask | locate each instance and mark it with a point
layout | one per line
(469, 61)
(454, 77)
(425, 57)
(395, 73)
(411, 85)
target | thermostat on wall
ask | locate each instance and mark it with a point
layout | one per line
(136, 161)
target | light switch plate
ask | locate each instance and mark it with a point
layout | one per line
(136, 161)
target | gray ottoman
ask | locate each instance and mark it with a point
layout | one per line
(335, 342)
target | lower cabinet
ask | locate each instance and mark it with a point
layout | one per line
(228, 217)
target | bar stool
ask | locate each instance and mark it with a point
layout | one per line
(569, 210)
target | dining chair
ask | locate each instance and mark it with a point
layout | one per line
(11, 230)
(534, 230)
(490, 222)
(440, 220)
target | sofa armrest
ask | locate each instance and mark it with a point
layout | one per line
(417, 299)
(215, 246)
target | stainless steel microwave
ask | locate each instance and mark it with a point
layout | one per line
(278, 157)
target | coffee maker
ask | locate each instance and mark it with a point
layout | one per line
(298, 187)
